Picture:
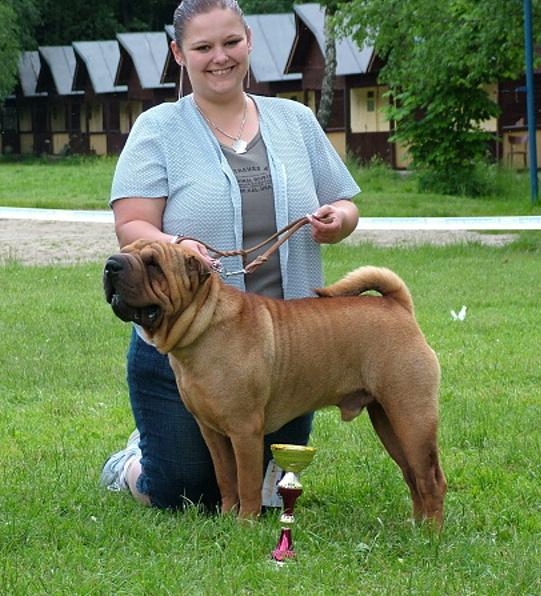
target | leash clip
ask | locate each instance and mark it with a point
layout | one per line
(239, 272)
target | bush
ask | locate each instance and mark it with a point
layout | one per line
(476, 180)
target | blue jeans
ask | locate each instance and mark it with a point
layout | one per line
(177, 468)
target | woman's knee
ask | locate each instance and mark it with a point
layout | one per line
(177, 487)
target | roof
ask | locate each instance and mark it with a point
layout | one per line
(58, 64)
(349, 58)
(148, 53)
(170, 69)
(170, 30)
(101, 59)
(29, 67)
(272, 36)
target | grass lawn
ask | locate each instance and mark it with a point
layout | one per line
(85, 183)
(65, 408)
(68, 183)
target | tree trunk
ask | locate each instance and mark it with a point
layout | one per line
(327, 86)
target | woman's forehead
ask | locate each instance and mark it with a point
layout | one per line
(219, 22)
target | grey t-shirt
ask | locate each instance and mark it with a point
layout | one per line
(258, 214)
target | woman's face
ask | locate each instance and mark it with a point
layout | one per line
(215, 52)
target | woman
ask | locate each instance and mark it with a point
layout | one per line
(229, 169)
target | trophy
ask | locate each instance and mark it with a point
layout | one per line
(293, 459)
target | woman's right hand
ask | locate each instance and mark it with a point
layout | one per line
(199, 249)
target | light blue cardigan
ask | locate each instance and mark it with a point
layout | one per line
(171, 152)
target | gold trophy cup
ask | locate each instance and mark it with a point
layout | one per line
(293, 459)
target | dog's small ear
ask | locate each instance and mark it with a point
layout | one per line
(195, 266)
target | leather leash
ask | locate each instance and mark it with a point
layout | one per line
(288, 231)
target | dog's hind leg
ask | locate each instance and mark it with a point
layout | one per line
(416, 431)
(390, 441)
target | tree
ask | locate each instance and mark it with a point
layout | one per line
(9, 48)
(28, 17)
(439, 58)
(266, 6)
(100, 19)
(324, 112)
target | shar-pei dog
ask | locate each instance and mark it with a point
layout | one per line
(246, 364)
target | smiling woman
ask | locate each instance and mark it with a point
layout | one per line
(230, 169)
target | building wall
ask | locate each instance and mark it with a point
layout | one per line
(27, 143)
(98, 143)
(129, 112)
(92, 117)
(60, 142)
(25, 119)
(366, 109)
(338, 141)
(294, 95)
(57, 116)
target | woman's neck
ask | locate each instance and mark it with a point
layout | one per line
(221, 108)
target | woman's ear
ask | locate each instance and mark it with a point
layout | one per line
(177, 53)
(249, 38)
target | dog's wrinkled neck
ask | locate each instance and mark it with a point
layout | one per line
(183, 329)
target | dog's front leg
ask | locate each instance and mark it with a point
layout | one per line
(248, 450)
(225, 469)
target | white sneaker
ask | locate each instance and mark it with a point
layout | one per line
(113, 474)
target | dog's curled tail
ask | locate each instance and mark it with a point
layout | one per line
(364, 279)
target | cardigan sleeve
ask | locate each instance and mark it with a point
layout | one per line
(141, 168)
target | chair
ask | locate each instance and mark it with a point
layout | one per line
(518, 145)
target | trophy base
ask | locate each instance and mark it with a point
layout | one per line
(284, 548)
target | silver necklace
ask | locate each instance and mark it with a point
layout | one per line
(239, 146)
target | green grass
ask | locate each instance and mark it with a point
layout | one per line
(85, 182)
(63, 183)
(388, 193)
(65, 408)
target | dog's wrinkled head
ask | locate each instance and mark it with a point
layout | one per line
(150, 282)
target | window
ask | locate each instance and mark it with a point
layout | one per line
(75, 117)
(114, 116)
(370, 101)
(9, 119)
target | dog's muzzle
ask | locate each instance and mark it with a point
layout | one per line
(115, 273)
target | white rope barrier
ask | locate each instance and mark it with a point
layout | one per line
(511, 222)
(519, 222)
(56, 215)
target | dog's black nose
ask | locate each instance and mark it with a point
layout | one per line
(113, 266)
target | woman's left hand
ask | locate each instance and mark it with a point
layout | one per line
(333, 222)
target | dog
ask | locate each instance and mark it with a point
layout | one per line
(285, 358)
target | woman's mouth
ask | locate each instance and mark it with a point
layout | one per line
(221, 72)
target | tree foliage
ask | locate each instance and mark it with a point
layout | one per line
(266, 6)
(100, 19)
(9, 48)
(440, 56)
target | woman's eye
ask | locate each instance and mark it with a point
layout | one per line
(232, 42)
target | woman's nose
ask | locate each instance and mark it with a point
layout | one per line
(220, 55)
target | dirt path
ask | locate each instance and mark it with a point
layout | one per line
(48, 242)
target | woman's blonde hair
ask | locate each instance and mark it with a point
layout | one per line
(188, 9)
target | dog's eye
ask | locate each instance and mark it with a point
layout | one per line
(152, 266)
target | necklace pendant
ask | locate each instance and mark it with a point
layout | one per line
(239, 146)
